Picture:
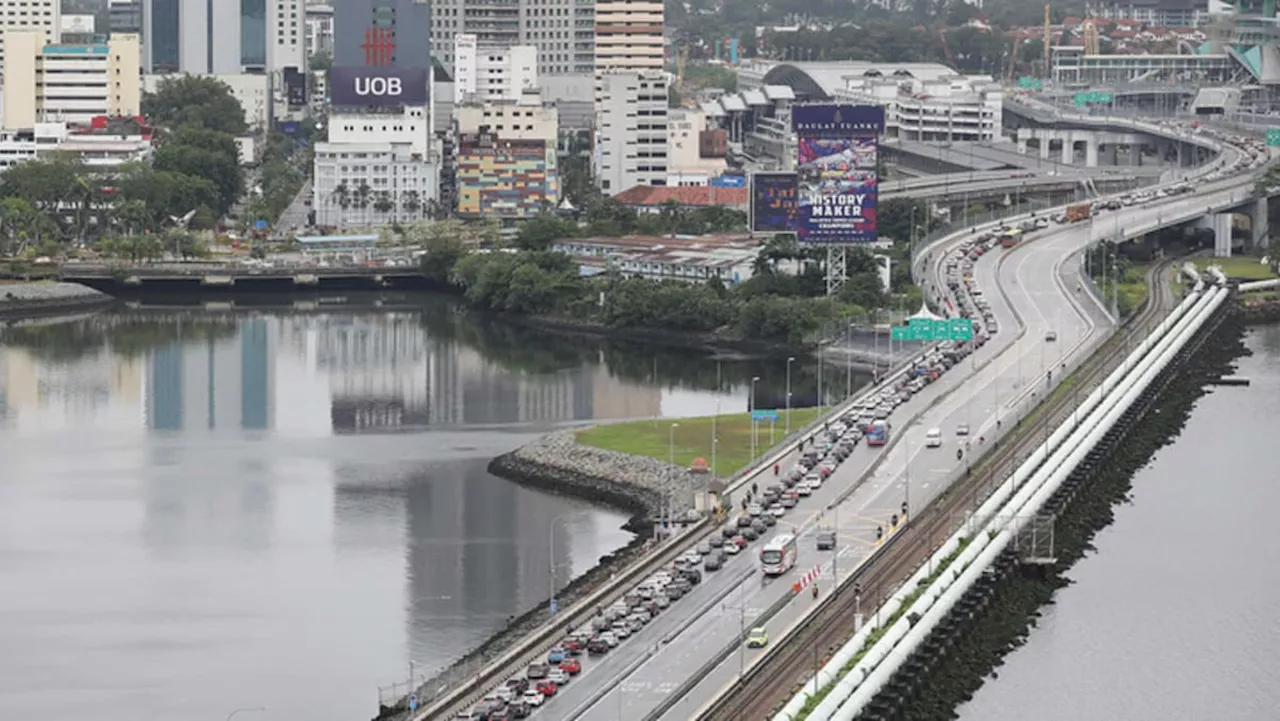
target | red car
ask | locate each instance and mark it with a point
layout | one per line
(572, 646)
(547, 688)
(571, 666)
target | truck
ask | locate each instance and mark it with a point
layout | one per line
(1010, 238)
(1078, 212)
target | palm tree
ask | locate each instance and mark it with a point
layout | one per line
(342, 196)
(363, 195)
(383, 203)
(411, 201)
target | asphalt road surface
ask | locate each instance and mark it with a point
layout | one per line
(631, 681)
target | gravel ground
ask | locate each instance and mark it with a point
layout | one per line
(20, 298)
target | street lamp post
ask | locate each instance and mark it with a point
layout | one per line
(848, 362)
(671, 462)
(551, 553)
(714, 439)
(790, 360)
(751, 406)
(246, 709)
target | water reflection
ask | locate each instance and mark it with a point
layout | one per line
(252, 491)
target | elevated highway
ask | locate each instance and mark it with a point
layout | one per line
(676, 664)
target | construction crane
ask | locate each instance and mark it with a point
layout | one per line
(1092, 45)
(1048, 39)
(1013, 60)
(946, 48)
(681, 58)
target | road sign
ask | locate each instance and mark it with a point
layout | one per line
(1273, 137)
(1026, 82)
(958, 330)
(553, 607)
(413, 701)
(1093, 98)
(764, 415)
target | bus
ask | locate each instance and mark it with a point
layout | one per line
(779, 555)
(878, 433)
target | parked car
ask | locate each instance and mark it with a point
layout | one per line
(826, 540)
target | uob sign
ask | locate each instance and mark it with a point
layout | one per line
(379, 87)
(364, 86)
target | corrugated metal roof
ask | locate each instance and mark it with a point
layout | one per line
(733, 103)
(754, 97)
(713, 109)
(779, 92)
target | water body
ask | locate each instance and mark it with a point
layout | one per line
(203, 511)
(1175, 615)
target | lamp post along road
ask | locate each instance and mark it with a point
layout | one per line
(790, 360)
(751, 405)
(671, 461)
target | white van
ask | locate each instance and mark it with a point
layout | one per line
(933, 439)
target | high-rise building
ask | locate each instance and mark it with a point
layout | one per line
(43, 15)
(226, 37)
(382, 32)
(563, 31)
(628, 36)
(492, 73)
(46, 82)
(125, 16)
(631, 130)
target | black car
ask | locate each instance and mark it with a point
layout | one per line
(760, 526)
(692, 575)
(749, 534)
(596, 647)
(729, 531)
(744, 521)
(716, 541)
(826, 540)
(519, 709)
(518, 685)
(769, 520)
(713, 562)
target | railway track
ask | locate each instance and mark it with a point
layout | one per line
(771, 683)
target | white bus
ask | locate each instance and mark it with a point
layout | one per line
(779, 555)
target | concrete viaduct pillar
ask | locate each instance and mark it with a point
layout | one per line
(1258, 223)
(1135, 154)
(1110, 154)
(1091, 153)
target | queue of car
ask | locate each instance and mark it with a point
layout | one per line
(522, 696)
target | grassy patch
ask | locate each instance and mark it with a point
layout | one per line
(1239, 267)
(692, 437)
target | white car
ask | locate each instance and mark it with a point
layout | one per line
(533, 697)
(621, 629)
(558, 676)
(777, 510)
(732, 549)
(754, 509)
(803, 488)
(933, 439)
(692, 557)
(609, 639)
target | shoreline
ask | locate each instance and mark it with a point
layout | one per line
(19, 301)
(553, 463)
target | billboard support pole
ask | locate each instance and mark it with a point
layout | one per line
(837, 268)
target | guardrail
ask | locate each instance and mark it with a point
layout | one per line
(553, 631)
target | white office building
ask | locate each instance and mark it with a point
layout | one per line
(631, 131)
(376, 169)
(103, 149)
(319, 29)
(492, 73)
(563, 31)
(43, 15)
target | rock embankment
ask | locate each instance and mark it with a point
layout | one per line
(23, 299)
(557, 462)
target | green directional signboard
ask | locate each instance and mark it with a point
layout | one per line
(924, 329)
(1026, 82)
(1093, 98)
(1273, 137)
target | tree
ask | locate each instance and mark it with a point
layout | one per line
(205, 153)
(540, 232)
(194, 101)
(167, 195)
(321, 61)
(20, 223)
(411, 202)
(383, 203)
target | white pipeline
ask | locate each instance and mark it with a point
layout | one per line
(947, 599)
(1259, 285)
(831, 671)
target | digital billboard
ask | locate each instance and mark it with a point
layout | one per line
(837, 186)
(295, 87)
(773, 203)
(381, 86)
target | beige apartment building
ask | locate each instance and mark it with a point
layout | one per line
(53, 82)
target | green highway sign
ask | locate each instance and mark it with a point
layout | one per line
(1273, 137)
(1026, 82)
(959, 330)
(1093, 98)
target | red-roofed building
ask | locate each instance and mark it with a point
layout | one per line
(648, 198)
